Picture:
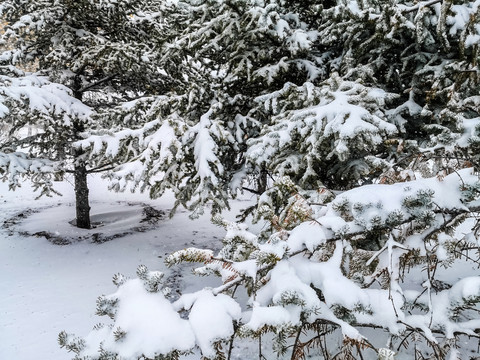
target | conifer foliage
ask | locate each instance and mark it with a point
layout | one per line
(375, 257)
(366, 116)
(88, 56)
(230, 53)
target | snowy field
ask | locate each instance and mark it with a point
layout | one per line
(47, 288)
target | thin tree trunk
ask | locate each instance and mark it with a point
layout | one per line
(262, 181)
(58, 176)
(81, 197)
(82, 204)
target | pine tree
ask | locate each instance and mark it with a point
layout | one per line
(100, 53)
(373, 217)
(426, 55)
(231, 52)
(410, 68)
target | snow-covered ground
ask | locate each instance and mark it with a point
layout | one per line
(47, 288)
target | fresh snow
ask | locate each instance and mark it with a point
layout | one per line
(42, 96)
(151, 324)
(48, 288)
(108, 218)
(210, 317)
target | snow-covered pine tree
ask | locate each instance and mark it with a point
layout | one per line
(331, 134)
(100, 53)
(231, 53)
(380, 269)
(406, 71)
(426, 54)
(23, 96)
(335, 100)
(374, 269)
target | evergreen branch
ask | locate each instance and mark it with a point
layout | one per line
(419, 5)
(237, 281)
(454, 213)
(420, 332)
(438, 331)
(405, 340)
(101, 81)
(225, 287)
(230, 345)
(425, 155)
(316, 204)
(256, 192)
(100, 168)
(359, 351)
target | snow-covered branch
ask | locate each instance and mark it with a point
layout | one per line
(14, 166)
(323, 272)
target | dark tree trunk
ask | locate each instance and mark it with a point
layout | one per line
(262, 181)
(82, 204)
(81, 197)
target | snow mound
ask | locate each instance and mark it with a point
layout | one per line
(109, 221)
